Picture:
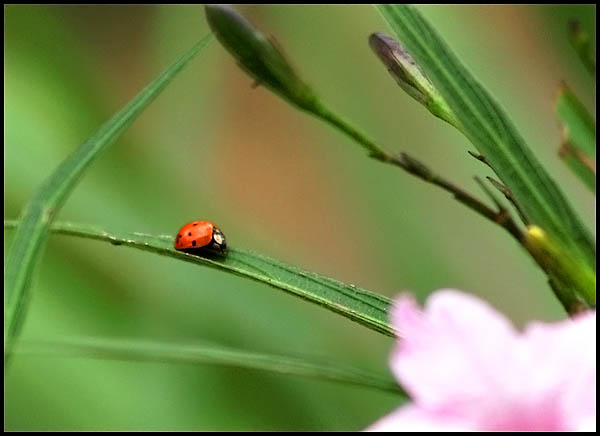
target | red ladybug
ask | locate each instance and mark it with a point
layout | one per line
(200, 237)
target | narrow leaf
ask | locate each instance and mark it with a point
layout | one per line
(208, 354)
(579, 126)
(39, 213)
(582, 165)
(489, 129)
(359, 305)
(580, 40)
(578, 148)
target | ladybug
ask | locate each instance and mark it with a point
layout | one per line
(199, 237)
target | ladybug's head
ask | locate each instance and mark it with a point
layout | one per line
(218, 240)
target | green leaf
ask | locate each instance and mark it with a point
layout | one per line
(489, 129)
(39, 213)
(209, 354)
(359, 305)
(581, 43)
(578, 148)
(580, 128)
(582, 165)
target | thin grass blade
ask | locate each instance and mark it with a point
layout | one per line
(364, 307)
(209, 354)
(579, 124)
(39, 213)
(582, 44)
(580, 164)
(578, 148)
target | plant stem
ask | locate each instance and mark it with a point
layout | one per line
(336, 121)
(573, 305)
(506, 192)
(501, 216)
(418, 169)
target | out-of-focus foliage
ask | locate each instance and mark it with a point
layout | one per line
(274, 180)
(578, 148)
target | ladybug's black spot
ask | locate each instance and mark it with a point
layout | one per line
(189, 233)
(195, 224)
(193, 242)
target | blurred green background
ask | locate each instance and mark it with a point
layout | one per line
(276, 181)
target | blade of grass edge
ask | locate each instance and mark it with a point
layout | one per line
(581, 165)
(578, 148)
(37, 215)
(581, 127)
(208, 354)
(364, 307)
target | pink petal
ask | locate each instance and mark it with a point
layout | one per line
(463, 362)
(452, 352)
(411, 418)
(564, 357)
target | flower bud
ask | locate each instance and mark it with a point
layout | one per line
(409, 76)
(258, 55)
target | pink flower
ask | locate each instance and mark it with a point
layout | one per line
(467, 368)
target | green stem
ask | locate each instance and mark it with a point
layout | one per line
(416, 168)
(336, 121)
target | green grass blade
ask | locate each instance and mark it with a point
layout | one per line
(582, 165)
(209, 354)
(28, 244)
(578, 149)
(581, 43)
(489, 129)
(580, 128)
(359, 305)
